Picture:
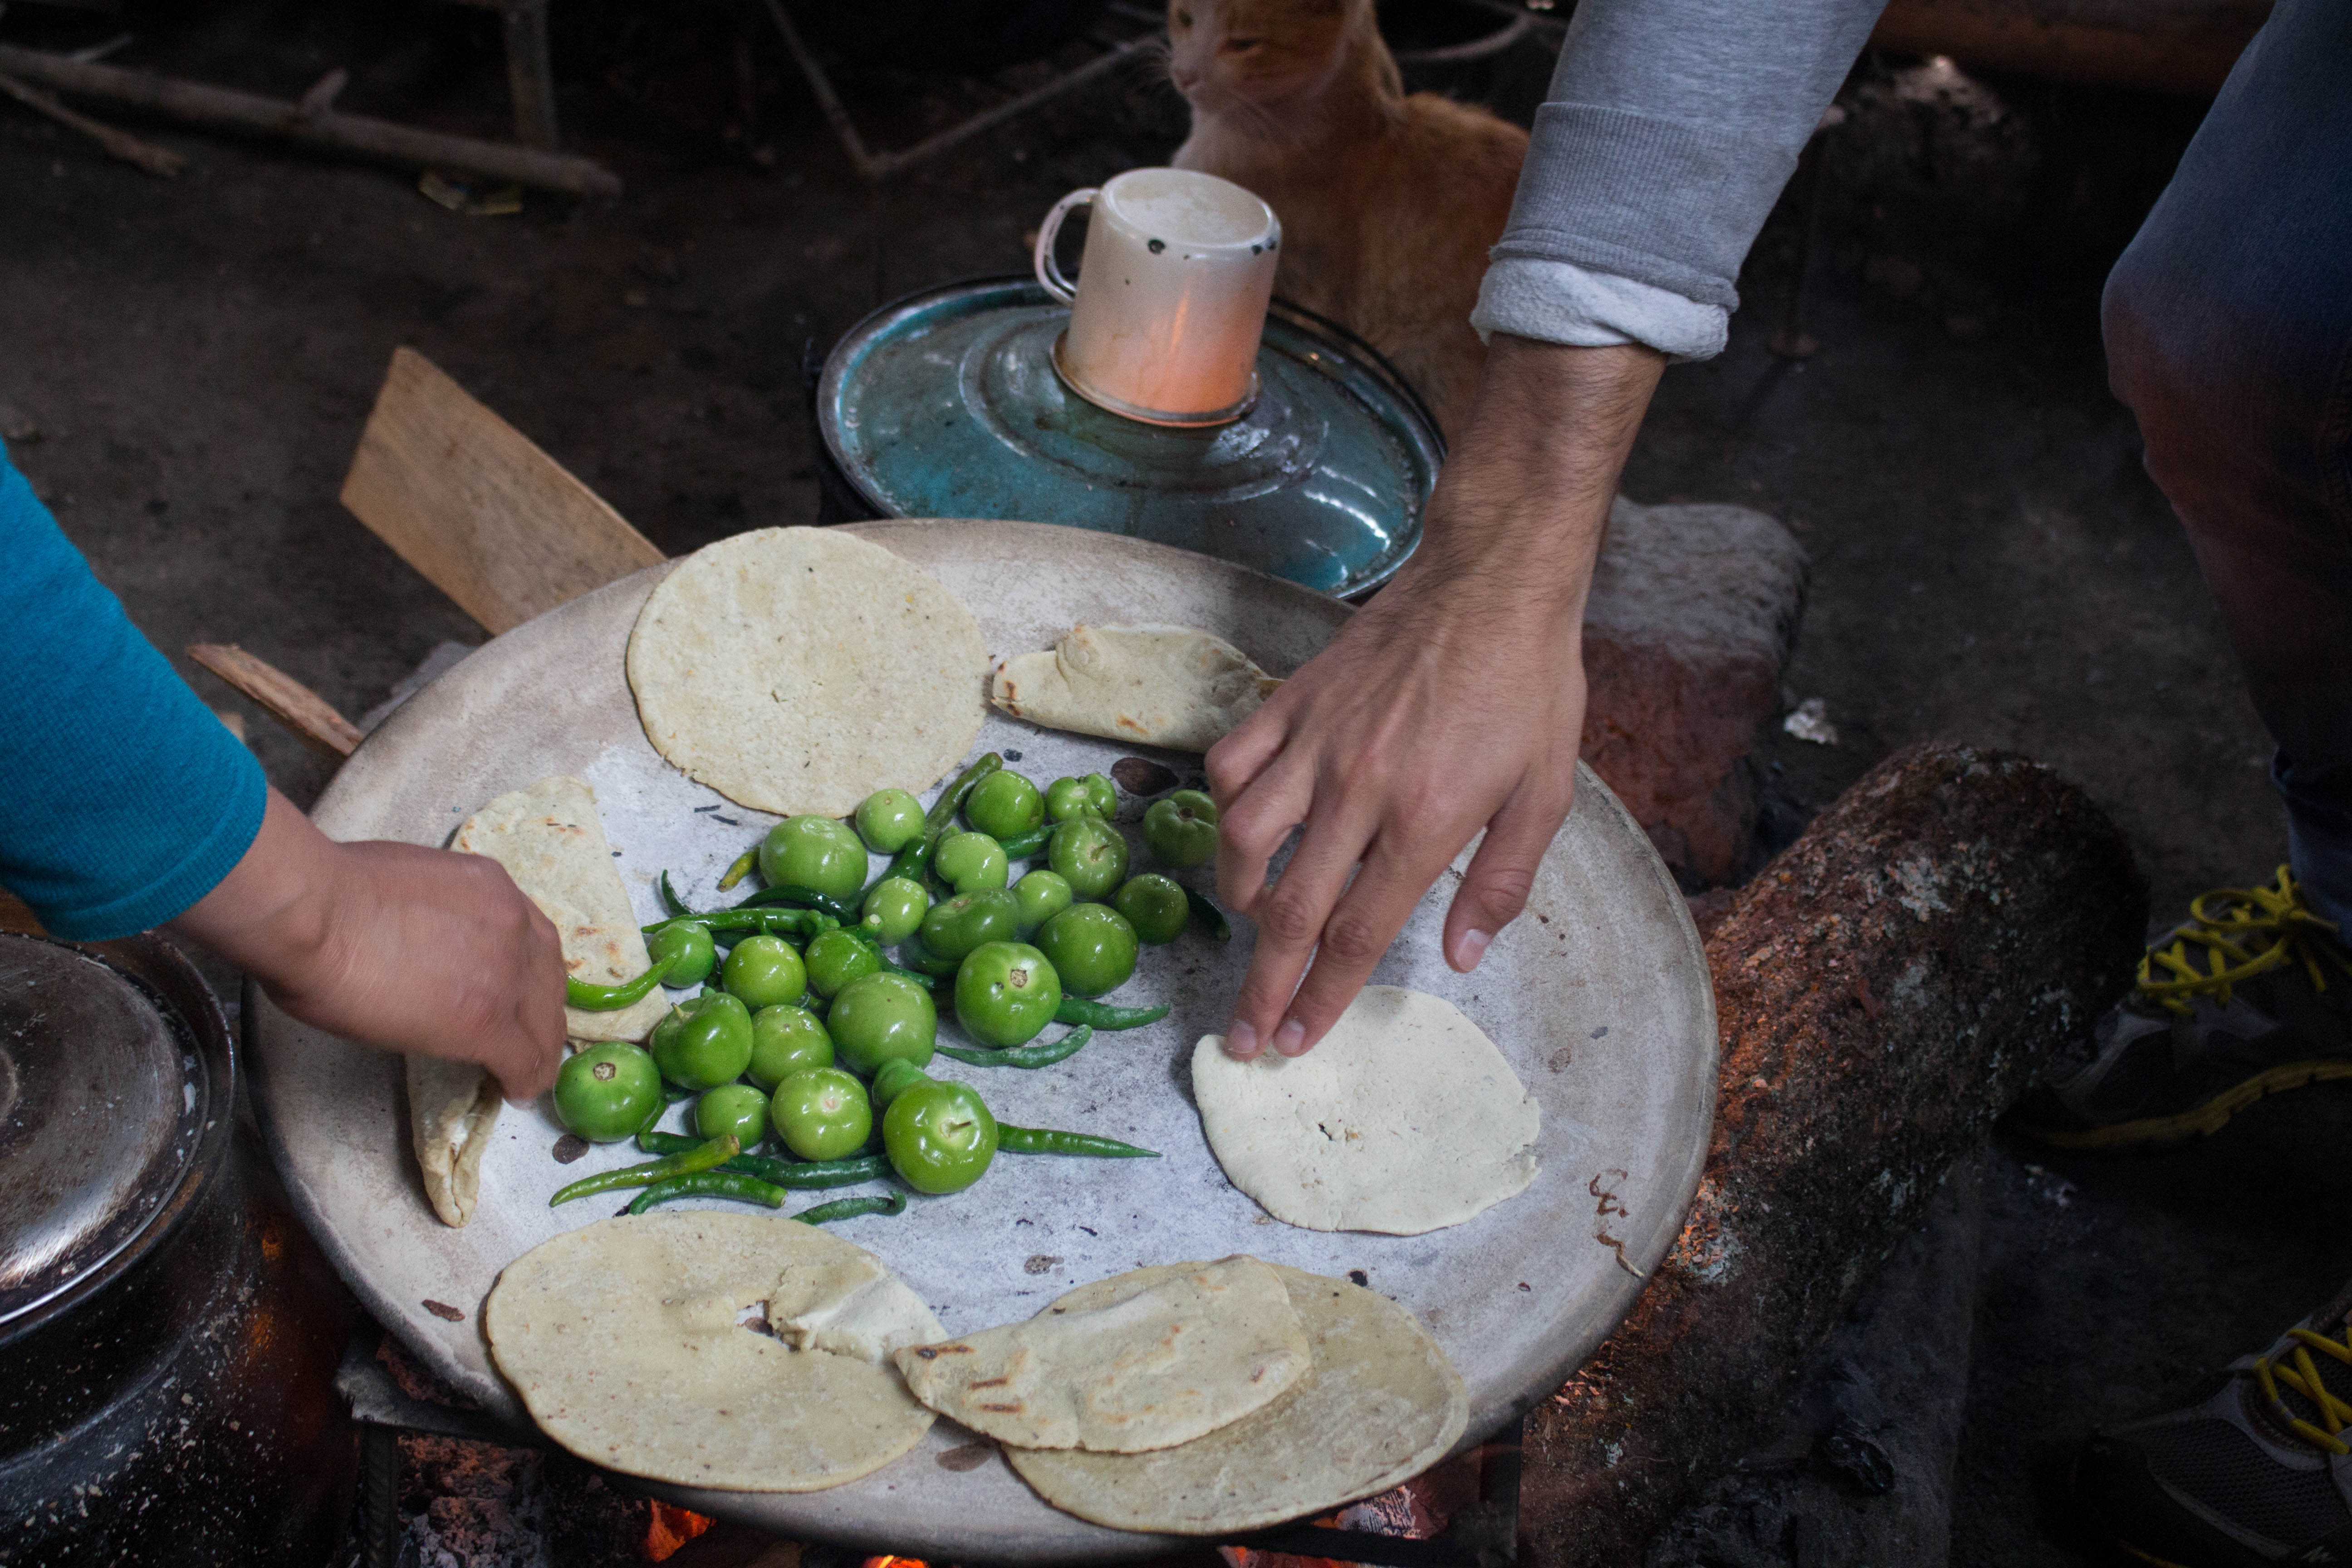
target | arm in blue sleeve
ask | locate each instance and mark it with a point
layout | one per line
(126, 800)
(1670, 128)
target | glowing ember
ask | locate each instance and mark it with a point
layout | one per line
(670, 1527)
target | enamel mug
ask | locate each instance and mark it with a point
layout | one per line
(1171, 295)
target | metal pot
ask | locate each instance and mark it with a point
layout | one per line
(168, 1333)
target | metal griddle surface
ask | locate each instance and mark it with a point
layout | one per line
(1599, 998)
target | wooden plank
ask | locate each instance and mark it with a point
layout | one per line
(465, 498)
(311, 717)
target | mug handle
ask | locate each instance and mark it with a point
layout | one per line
(1049, 275)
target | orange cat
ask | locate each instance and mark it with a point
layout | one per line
(1388, 204)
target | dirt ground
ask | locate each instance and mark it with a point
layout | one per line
(185, 365)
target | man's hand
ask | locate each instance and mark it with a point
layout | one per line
(409, 948)
(1454, 702)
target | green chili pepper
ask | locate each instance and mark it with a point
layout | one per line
(1022, 844)
(609, 998)
(850, 1208)
(923, 962)
(805, 1174)
(710, 1184)
(671, 900)
(1075, 1010)
(770, 922)
(740, 869)
(943, 810)
(914, 862)
(1034, 1056)
(842, 910)
(1208, 917)
(705, 1156)
(1012, 1140)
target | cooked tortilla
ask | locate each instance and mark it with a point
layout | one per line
(1403, 1120)
(799, 669)
(641, 1344)
(1379, 1405)
(1153, 686)
(451, 1108)
(551, 842)
(1158, 1358)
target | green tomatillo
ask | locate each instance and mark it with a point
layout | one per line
(691, 946)
(818, 853)
(969, 862)
(1042, 896)
(736, 1108)
(1093, 794)
(608, 1091)
(1005, 992)
(1089, 854)
(704, 1041)
(1155, 906)
(837, 957)
(939, 1136)
(764, 972)
(1005, 805)
(1182, 830)
(822, 1113)
(888, 820)
(955, 926)
(894, 909)
(881, 1019)
(1092, 948)
(785, 1040)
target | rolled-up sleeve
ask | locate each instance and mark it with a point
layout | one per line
(126, 800)
(1670, 128)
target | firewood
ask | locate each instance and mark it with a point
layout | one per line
(1887, 987)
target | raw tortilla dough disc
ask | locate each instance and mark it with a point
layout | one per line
(1403, 1120)
(552, 844)
(799, 669)
(1159, 686)
(1381, 1404)
(626, 1340)
(549, 841)
(1158, 1359)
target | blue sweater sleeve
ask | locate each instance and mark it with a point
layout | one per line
(126, 800)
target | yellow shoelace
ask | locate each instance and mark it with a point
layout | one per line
(2239, 933)
(2301, 1374)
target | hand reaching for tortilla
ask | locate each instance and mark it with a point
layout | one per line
(1454, 702)
(409, 948)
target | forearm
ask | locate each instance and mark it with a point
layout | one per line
(270, 915)
(1523, 499)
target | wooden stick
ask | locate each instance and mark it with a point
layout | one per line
(282, 697)
(157, 161)
(219, 108)
(485, 515)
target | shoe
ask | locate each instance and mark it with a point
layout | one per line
(2252, 995)
(2258, 1471)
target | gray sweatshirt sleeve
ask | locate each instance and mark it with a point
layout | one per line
(1671, 127)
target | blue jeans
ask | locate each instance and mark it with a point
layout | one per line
(2229, 332)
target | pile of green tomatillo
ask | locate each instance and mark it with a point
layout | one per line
(822, 991)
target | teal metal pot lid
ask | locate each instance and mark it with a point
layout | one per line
(947, 405)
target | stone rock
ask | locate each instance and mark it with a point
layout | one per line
(1690, 622)
(1887, 987)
